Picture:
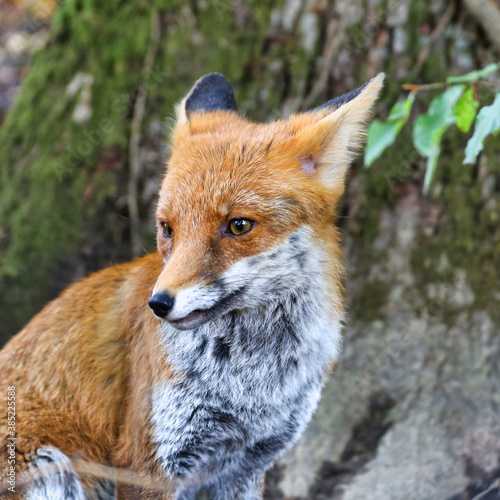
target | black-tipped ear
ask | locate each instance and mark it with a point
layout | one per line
(343, 99)
(211, 92)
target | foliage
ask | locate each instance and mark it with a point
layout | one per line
(457, 105)
(383, 135)
(430, 128)
(488, 122)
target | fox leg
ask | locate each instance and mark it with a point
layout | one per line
(245, 480)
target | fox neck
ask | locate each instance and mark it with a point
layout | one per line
(264, 353)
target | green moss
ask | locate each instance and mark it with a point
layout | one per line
(417, 13)
(468, 229)
(382, 11)
(47, 160)
(370, 301)
(355, 35)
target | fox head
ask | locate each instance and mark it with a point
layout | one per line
(246, 210)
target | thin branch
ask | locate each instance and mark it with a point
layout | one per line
(488, 15)
(93, 469)
(122, 476)
(493, 486)
(414, 87)
(332, 45)
(135, 137)
(434, 36)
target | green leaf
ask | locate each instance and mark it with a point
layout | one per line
(487, 122)
(429, 128)
(465, 110)
(429, 171)
(382, 135)
(474, 75)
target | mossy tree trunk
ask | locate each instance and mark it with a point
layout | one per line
(412, 410)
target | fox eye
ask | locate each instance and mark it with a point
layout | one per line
(167, 230)
(240, 226)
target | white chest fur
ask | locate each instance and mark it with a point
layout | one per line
(252, 375)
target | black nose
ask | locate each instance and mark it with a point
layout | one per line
(161, 303)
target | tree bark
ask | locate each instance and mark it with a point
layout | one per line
(412, 409)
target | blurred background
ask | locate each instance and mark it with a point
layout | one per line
(87, 96)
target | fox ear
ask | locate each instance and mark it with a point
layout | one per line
(328, 146)
(211, 92)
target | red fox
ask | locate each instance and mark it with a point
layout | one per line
(197, 366)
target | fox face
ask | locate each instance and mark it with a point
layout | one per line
(246, 211)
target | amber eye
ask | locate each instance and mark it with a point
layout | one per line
(240, 226)
(167, 231)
